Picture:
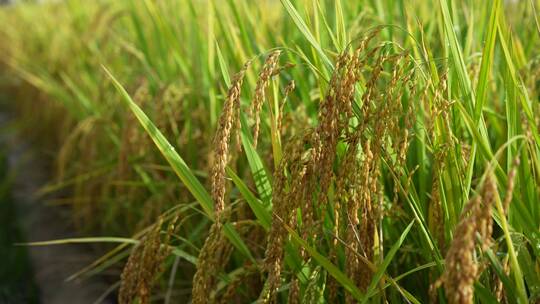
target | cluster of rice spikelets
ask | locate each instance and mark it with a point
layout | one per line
(378, 131)
(288, 89)
(378, 134)
(305, 174)
(145, 263)
(214, 253)
(290, 190)
(228, 123)
(215, 246)
(314, 291)
(462, 267)
(437, 121)
(268, 70)
(216, 249)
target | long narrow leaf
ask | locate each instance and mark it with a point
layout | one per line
(167, 150)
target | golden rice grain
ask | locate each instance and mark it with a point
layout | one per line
(269, 69)
(461, 266)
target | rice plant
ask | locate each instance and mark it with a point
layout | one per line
(292, 151)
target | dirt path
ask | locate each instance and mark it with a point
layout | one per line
(51, 264)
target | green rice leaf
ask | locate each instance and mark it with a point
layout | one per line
(305, 30)
(167, 150)
(387, 259)
(255, 204)
(332, 269)
(83, 240)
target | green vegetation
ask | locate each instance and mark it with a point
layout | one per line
(302, 151)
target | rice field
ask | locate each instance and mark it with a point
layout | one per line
(291, 151)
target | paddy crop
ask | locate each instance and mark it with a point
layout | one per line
(303, 151)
